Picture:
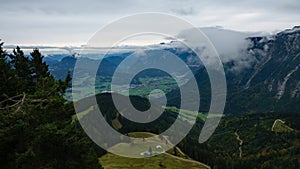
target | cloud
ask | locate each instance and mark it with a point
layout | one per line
(185, 11)
(230, 45)
(74, 21)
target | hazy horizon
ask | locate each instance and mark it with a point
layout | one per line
(136, 41)
(73, 23)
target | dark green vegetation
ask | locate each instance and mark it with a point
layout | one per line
(269, 84)
(35, 119)
(112, 115)
(38, 127)
(261, 147)
(272, 84)
(279, 126)
(141, 85)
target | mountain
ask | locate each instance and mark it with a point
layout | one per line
(251, 140)
(60, 68)
(279, 63)
(262, 72)
(269, 82)
(115, 117)
(273, 81)
(260, 140)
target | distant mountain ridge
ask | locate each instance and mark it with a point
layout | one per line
(270, 83)
(274, 79)
(262, 77)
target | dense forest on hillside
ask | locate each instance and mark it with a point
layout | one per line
(39, 128)
(261, 146)
(35, 120)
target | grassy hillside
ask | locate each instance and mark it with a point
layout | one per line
(245, 141)
(280, 126)
(165, 160)
(111, 161)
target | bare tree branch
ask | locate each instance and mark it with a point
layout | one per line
(21, 101)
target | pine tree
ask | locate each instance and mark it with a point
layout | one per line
(4, 69)
(44, 83)
(39, 67)
(67, 82)
(35, 128)
(21, 66)
(6, 74)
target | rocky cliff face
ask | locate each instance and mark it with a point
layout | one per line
(263, 76)
(270, 84)
(273, 81)
(278, 63)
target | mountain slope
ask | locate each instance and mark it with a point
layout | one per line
(270, 83)
(247, 141)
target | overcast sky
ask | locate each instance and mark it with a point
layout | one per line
(65, 23)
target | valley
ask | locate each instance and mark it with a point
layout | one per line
(241, 141)
(41, 122)
(259, 125)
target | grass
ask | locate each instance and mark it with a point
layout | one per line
(281, 127)
(148, 84)
(141, 134)
(116, 123)
(111, 161)
(81, 114)
(188, 115)
(177, 152)
(164, 160)
(137, 146)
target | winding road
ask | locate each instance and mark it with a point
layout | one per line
(188, 160)
(183, 159)
(240, 143)
(276, 122)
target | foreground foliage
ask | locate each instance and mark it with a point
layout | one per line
(35, 119)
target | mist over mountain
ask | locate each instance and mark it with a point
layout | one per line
(132, 84)
(261, 68)
(259, 127)
(231, 45)
(268, 82)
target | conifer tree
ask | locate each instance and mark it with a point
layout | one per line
(7, 76)
(21, 66)
(39, 67)
(35, 121)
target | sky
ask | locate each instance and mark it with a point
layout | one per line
(73, 23)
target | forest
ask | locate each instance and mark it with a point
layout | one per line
(35, 119)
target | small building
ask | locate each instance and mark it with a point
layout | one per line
(146, 154)
(107, 91)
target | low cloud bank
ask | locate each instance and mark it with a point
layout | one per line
(230, 45)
